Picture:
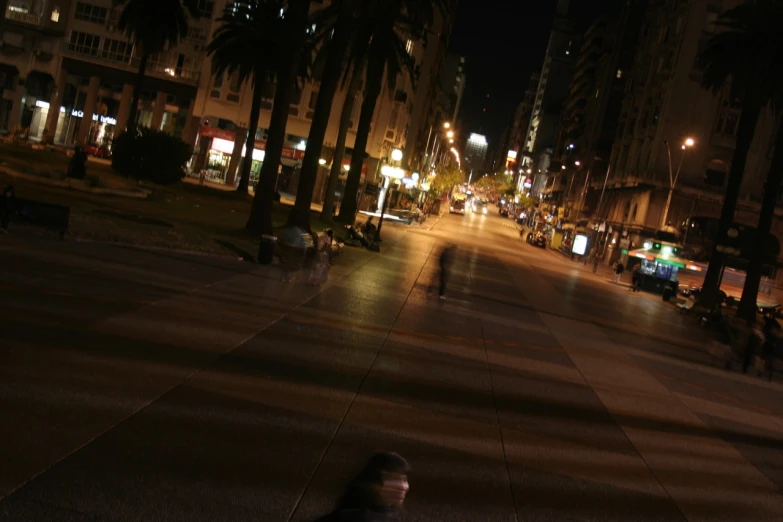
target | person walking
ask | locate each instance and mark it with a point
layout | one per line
(618, 271)
(445, 261)
(636, 279)
(376, 494)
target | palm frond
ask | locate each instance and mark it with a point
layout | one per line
(247, 41)
(154, 30)
(746, 51)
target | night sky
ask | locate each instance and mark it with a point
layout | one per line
(503, 43)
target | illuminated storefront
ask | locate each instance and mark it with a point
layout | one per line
(217, 146)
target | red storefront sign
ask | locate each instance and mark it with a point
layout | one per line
(213, 132)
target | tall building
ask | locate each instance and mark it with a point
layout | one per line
(429, 115)
(475, 155)
(664, 106)
(518, 137)
(452, 79)
(589, 119)
(553, 87)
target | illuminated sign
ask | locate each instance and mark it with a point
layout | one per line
(41, 104)
(580, 245)
(512, 154)
(528, 183)
(108, 120)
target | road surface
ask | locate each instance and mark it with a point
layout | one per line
(145, 385)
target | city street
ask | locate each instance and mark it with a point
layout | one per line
(148, 385)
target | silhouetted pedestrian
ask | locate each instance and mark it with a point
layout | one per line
(446, 259)
(618, 271)
(376, 494)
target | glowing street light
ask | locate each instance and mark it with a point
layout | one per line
(446, 125)
(577, 163)
(396, 155)
(450, 134)
(322, 161)
(673, 177)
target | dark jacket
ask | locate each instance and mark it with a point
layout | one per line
(359, 504)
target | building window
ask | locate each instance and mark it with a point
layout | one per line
(91, 13)
(728, 118)
(84, 43)
(619, 73)
(313, 100)
(409, 46)
(55, 14)
(116, 50)
(234, 85)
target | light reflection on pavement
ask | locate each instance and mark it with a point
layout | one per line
(145, 386)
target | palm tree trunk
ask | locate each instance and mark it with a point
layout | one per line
(745, 131)
(300, 213)
(260, 219)
(327, 214)
(750, 291)
(375, 68)
(250, 143)
(134, 108)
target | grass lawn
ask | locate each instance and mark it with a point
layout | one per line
(184, 216)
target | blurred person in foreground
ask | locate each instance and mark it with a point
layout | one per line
(376, 494)
(445, 261)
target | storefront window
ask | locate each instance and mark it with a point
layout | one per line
(217, 166)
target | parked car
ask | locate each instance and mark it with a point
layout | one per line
(537, 239)
(503, 211)
(99, 151)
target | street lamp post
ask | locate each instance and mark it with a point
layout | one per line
(673, 177)
(389, 172)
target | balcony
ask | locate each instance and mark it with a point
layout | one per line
(15, 14)
(156, 69)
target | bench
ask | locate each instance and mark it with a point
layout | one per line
(44, 215)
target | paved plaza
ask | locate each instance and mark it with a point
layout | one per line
(154, 386)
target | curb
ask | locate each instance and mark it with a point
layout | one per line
(76, 185)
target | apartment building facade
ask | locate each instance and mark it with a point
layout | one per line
(222, 108)
(68, 73)
(664, 106)
(553, 87)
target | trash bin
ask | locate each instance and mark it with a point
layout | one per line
(668, 292)
(266, 249)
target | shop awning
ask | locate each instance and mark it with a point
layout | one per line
(643, 253)
(289, 162)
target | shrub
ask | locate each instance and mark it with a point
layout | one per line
(150, 155)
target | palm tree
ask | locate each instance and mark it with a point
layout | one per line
(387, 54)
(245, 45)
(750, 291)
(292, 38)
(356, 74)
(153, 27)
(332, 70)
(742, 55)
